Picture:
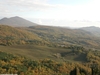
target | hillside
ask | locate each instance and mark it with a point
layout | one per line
(10, 35)
(48, 35)
(65, 36)
(68, 61)
(19, 65)
(48, 50)
(59, 36)
(16, 22)
(93, 30)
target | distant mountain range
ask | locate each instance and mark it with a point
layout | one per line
(74, 50)
(16, 22)
(29, 32)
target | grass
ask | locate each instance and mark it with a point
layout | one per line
(39, 52)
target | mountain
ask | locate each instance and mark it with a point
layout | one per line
(93, 30)
(58, 36)
(16, 22)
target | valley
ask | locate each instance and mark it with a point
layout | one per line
(48, 50)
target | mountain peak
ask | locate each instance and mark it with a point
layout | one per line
(16, 17)
(17, 22)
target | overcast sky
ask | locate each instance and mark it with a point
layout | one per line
(71, 13)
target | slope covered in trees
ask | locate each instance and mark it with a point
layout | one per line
(47, 35)
(65, 36)
(14, 64)
(10, 36)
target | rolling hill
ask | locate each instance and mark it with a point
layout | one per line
(65, 36)
(42, 50)
(16, 22)
(11, 35)
(54, 36)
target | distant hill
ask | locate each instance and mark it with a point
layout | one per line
(65, 36)
(48, 35)
(16, 22)
(93, 30)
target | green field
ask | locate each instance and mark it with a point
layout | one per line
(43, 52)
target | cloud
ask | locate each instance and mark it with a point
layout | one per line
(66, 23)
(43, 9)
(20, 7)
(26, 4)
(40, 21)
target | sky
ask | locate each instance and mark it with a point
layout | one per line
(70, 13)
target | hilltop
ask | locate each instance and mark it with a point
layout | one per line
(16, 22)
